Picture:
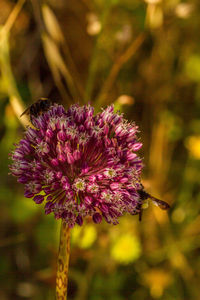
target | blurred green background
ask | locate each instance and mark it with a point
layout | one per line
(144, 56)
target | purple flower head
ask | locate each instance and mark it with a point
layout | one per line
(80, 164)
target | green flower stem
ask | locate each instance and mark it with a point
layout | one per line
(63, 263)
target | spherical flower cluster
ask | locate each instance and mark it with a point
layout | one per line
(80, 164)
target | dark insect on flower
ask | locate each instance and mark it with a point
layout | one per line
(38, 107)
(144, 196)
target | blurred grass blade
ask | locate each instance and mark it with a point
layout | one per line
(101, 100)
(94, 59)
(52, 24)
(8, 78)
(13, 15)
(55, 32)
(57, 65)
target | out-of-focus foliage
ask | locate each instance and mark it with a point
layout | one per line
(144, 56)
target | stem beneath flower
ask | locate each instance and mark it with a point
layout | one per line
(63, 262)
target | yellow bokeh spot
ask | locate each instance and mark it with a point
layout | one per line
(193, 145)
(157, 280)
(84, 237)
(178, 215)
(126, 249)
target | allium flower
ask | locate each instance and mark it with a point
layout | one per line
(80, 164)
